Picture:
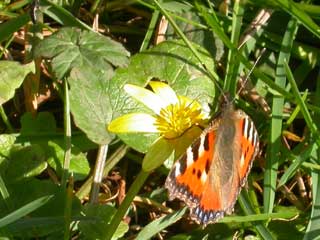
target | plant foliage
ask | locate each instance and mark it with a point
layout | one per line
(63, 70)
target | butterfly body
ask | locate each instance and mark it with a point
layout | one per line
(209, 176)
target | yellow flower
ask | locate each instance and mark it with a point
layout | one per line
(173, 116)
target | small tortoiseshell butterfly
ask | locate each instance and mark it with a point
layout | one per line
(211, 173)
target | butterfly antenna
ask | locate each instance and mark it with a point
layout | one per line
(194, 100)
(243, 84)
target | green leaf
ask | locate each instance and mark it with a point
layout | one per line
(20, 162)
(23, 192)
(51, 213)
(6, 141)
(23, 211)
(61, 15)
(42, 128)
(91, 96)
(25, 162)
(12, 75)
(140, 142)
(91, 59)
(11, 26)
(79, 165)
(43, 123)
(102, 215)
(72, 47)
(33, 227)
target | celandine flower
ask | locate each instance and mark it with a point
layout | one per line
(173, 116)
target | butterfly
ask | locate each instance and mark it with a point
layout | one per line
(208, 177)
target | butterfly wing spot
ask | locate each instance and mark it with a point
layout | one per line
(195, 150)
(206, 143)
(204, 217)
(177, 170)
(207, 169)
(242, 159)
(204, 177)
(189, 157)
(199, 174)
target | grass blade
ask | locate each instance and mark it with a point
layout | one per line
(61, 15)
(305, 112)
(13, 25)
(25, 210)
(293, 9)
(233, 62)
(161, 223)
(270, 176)
(313, 230)
(248, 209)
(5, 194)
(213, 75)
(296, 164)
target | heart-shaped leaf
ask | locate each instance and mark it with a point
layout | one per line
(12, 75)
(97, 229)
(72, 47)
(79, 165)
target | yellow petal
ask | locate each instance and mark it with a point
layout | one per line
(133, 122)
(165, 92)
(146, 97)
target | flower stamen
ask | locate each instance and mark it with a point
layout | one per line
(175, 119)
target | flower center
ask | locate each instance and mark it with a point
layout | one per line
(175, 119)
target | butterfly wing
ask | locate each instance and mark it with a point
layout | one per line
(188, 179)
(208, 177)
(249, 145)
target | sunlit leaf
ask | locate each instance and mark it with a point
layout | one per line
(101, 215)
(79, 165)
(72, 47)
(12, 75)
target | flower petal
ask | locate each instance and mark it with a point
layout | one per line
(146, 97)
(133, 122)
(159, 151)
(165, 92)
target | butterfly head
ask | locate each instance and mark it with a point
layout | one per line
(226, 101)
